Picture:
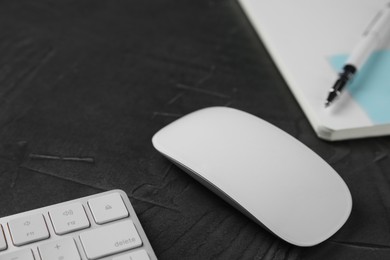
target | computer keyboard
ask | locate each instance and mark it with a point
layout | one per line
(102, 226)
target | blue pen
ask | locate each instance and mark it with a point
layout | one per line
(370, 40)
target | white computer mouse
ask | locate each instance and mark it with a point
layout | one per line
(261, 170)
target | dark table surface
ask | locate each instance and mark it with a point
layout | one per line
(94, 80)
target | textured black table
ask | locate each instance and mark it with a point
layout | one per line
(85, 84)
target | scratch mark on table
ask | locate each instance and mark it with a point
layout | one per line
(60, 158)
(200, 90)
(360, 245)
(206, 77)
(28, 73)
(139, 187)
(380, 157)
(228, 104)
(272, 250)
(155, 204)
(165, 175)
(165, 114)
(51, 174)
(175, 98)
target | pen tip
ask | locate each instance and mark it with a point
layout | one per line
(327, 103)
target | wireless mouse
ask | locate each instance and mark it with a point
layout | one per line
(261, 170)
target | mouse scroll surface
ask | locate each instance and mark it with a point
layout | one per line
(264, 172)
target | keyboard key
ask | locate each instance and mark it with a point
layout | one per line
(110, 239)
(28, 229)
(69, 218)
(108, 208)
(3, 243)
(138, 255)
(23, 254)
(64, 249)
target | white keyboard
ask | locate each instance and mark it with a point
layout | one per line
(101, 226)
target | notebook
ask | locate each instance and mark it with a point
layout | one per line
(309, 40)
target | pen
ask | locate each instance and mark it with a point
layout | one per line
(369, 41)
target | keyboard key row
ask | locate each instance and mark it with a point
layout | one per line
(66, 219)
(106, 240)
(94, 227)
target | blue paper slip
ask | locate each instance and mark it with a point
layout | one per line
(371, 86)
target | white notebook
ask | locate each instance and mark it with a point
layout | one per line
(309, 40)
